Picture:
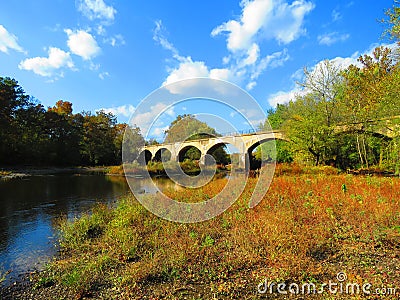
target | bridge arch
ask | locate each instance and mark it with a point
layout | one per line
(218, 156)
(253, 145)
(144, 157)
(183, 151)
(162, 154)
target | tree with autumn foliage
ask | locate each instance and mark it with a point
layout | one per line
(30, 134)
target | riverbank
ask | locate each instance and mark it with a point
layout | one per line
(308, 229)
(189, 167)
(153, 168)
(24, 171)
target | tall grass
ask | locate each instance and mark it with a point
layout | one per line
(307, 228)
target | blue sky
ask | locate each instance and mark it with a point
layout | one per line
(109, 54)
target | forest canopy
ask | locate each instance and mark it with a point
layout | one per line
(347, 118)
(33, 135)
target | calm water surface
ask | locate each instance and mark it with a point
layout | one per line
(30, 207)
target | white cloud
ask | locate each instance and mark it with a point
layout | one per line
(332, 38)
(158, 132)
(260, 19)
(283, 97)
(159, 37)
(82, 44)
(93, 66)
(251, 85)
(145, 119)
(266, 19)
(336, 15)
(249, 65)
(100, 30)
(96, 9)
(123, 110)
(187, 69)
(103, 75)
(116, 40)
(273, 60)
(252, 55)
(242, 32)
(170, 111)
(195, 69)
(47, 66)
(8, 41)
(224, 74)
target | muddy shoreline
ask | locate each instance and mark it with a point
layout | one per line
(21, 172)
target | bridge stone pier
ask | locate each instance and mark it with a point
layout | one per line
(244, 143)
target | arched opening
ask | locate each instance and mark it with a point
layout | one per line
(163, 155)
(144, 157)
(220, 153)
(189, 153)
(261, 152)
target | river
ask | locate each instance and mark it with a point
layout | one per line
(30, 208)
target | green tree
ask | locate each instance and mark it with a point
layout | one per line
(152, 142)
(311, 119)
(393, 21)
(276, 117)
(221, 156)
(32, 138)
(187, 127)
(264, 152)
(369, 98)
(65, 132)
(132, 141)
(97, 145)
(21, 125)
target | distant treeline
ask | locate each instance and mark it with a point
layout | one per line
(347, 118)
(30, 134)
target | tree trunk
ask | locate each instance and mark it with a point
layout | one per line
(359, 151)
(365, 152)
(316, 155)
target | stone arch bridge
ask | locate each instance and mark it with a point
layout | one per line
(244, 143)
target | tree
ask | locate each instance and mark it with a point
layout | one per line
(221, 156)
(393, 21)
(275, 120)
(62, 108)
(311, 119)
(323, 84)
(187, 127)
(98, 138)
(276, 117)
(151, 142)
(306, 129)
(30, 134)
(65, 132)
(16, 137)
(131, 140)
(369, 96)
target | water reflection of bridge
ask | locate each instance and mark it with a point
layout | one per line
(245, 143)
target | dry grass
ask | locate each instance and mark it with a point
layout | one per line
(308, 228)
